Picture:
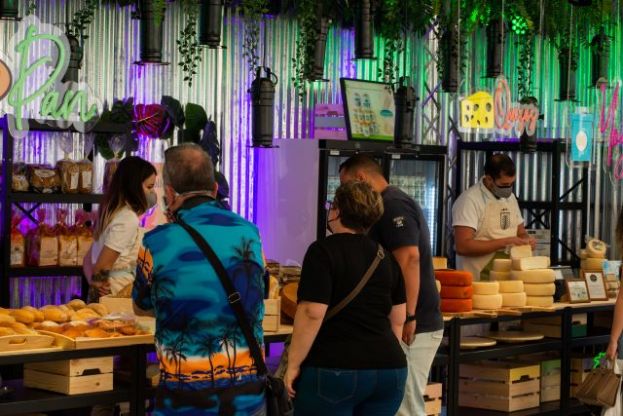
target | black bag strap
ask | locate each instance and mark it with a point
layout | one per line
(380, 254)
(233, 296)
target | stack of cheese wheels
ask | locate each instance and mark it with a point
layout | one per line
(513, 295)
(456, 290)
(593, 256)
(534, 272)
(487, 295)
(501, 270)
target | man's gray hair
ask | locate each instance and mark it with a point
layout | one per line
(188, 168)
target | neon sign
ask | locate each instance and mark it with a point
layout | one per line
(37, 88)
(485, 112)
(607, 123)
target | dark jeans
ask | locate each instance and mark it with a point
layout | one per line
(336, 392)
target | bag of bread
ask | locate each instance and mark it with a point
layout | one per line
(18, 243)
(67, 241)
(84, 232)
(117, 144)
(42, 244)
(85, 166)
(19, 182)
(68, 171)
(43, 179)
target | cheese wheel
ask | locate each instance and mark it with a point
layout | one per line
(514, 300)
(502, 265)
(440, 263)
(487, 301)
(511, 286)
(539, 289)
(518, 252)
(499, 276)
(438, 285)
(543, 301)
(486, 288)
(456, 292)
(596, 249)
(456, 305)
(592, 263)
(454, 277)
(613, 285)
(531, 263)
(583, 254)
(534, 276)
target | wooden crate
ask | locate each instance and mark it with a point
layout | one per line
(499, 385)
(272, 307)
(432, 399)
(550, 394)
(75, 368)
(271, 323)
(68, 385)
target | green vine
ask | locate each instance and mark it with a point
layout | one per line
(253, 11)
(525, 45)
(31, 7)
(391, 29)
(159, 7)
(82, 19)
(187, 44)
(303, 61)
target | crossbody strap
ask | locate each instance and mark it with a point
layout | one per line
(233, 296)
(380, 254)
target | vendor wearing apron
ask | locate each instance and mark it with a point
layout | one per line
(487, 220)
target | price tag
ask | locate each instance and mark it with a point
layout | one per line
(395, 156)
(334, 152)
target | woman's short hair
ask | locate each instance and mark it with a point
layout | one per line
(359, 205)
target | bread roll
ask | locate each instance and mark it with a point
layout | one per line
(5, 320)
(50, 326)
(77, 304)
(65, 308)
(39, 317)
(97, 333)
(85, 314)
(102, 310)
(23, 316)
(73, 332)
(21, 328)
(5, 331)
(127, 330)
(55, 314)
(5, 311)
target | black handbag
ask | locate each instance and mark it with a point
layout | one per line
(278, 402)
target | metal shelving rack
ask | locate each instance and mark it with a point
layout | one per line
(10, 199)
(452, 356)
(545, 213)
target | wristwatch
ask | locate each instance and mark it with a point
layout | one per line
(410, 318)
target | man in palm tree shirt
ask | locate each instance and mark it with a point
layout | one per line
(205, 364)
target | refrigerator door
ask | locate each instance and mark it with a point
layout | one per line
(421, 180)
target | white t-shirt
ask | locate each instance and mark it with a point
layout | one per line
(469, 208)
(122, 235)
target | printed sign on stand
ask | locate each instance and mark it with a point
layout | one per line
(581, 137)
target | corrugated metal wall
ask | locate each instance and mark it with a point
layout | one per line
(223, 79)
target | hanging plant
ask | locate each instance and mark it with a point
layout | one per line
(210, 23)
(600, 55)
(31, 7)
(525, 45)
(151, 30)
(82, 18)
(122, 112)
(364, 29)
(187, 44)
(568, 65)
(253, 11)
(391, 29)
(307, 19)
(9, 9)
(151, 120)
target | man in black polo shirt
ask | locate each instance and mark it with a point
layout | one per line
(403, 230)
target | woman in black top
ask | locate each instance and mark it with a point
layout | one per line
(352, 364)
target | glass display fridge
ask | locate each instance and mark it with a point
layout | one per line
(420, 172)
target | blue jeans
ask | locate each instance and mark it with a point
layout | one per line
(337, 392)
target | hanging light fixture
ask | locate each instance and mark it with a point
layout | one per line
(262, 102)
(600, 55)
(9, 9)
(405, 100)
(450, 59)
(567, 64)
(210, 23)
(151, 29)
(496, 35)
(364, 29)
(320, 45)
(75, 59)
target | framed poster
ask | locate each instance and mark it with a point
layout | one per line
(596, 285)
(577, 290)
(369, 109)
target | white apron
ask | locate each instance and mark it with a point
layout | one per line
(497, 222)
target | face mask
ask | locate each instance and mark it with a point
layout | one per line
(502, 191)
(152, 199)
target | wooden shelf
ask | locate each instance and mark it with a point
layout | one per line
(45, 271)
(26, 197)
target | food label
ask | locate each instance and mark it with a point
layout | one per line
(73, 181)
(86, 179)
(17, 256)
(68, 255)
(48, 255)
